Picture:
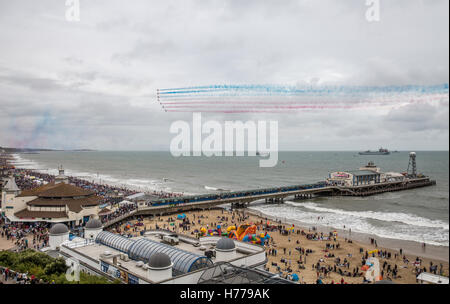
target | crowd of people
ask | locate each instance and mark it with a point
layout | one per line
(163, 194)
(9, 276)
(24, 182)
(24, 236)
(118, 212)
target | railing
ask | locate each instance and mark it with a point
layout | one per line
(279, 193)
(221, 201)
(120, 218)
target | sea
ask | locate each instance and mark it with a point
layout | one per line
(419, 215)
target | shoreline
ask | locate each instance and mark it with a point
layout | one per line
(95, 179)
(440, 253)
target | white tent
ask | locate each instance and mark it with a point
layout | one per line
(426, 277)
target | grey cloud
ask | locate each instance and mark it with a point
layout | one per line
(93, 83)
(419, 117)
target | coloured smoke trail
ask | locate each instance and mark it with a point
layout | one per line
(35, 132)
(290, 99)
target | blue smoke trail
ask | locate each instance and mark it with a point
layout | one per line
(441, 88)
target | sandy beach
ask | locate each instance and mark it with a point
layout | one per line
(413, 248)
(286, 247)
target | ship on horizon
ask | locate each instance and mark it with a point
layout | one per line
(262, 154)
(380, 151)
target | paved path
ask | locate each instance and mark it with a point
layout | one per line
(10, 281)
(6, 244)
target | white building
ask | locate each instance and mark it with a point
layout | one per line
(92, 229)
(58, 234)
(225, 250)
(392, 177)
(54, 202)
(367, 175)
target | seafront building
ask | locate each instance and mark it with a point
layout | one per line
(162, 257)
(55, 202)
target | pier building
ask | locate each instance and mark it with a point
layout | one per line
(367, 175)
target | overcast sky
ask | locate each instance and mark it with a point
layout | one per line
(92, 83)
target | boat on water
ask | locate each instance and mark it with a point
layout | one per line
(262, 154)
(380, 151)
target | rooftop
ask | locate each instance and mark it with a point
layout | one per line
(226, 273)
(159, 260)
(116, 245)
(363, 172)
(25, 213)
(57, 190)
(59, 229)
(225, 244)
(74, 204)
(94, 224)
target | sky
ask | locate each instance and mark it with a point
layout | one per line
(92, 83)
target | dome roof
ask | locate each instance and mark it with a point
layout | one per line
(225, 244)
(159, 260)
(58, 191)
(59, 229)
(94, 224)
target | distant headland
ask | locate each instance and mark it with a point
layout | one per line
(37, 150)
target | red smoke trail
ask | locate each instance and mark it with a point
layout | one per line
(240, 103)
(228, 112)
(287, 104)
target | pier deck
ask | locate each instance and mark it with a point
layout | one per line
(366, 190)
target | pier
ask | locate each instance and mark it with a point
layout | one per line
(242, 199)
(368, 180)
